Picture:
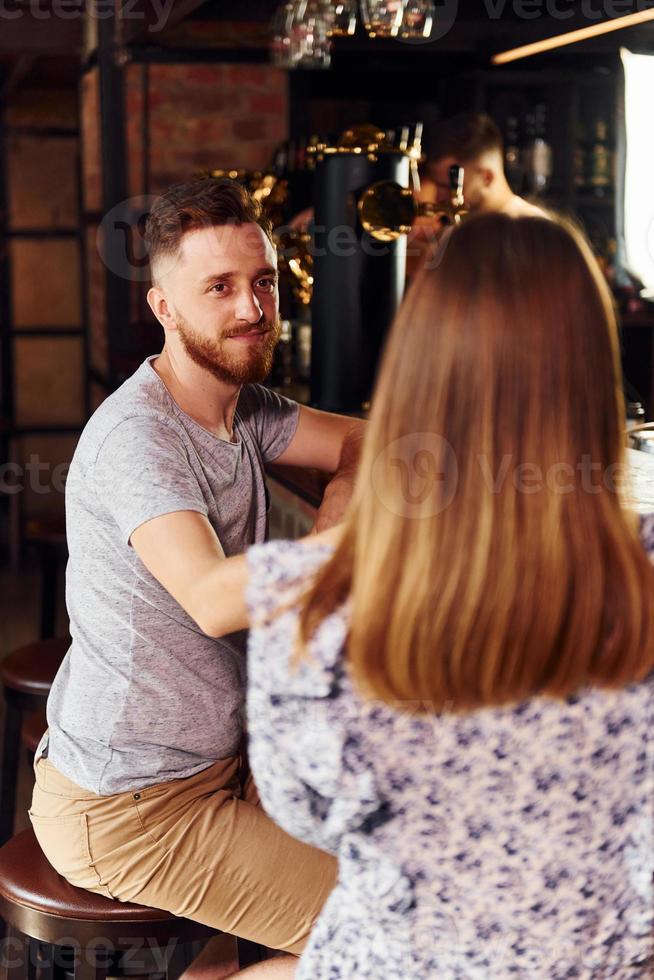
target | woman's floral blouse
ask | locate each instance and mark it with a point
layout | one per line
(505, 843)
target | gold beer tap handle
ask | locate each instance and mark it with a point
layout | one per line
(448, 213)
(388, 210)
(455, 209)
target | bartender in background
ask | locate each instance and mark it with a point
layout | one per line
(471, 140)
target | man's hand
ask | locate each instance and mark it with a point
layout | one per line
(331, 443)
(334, 505)
(338, 492)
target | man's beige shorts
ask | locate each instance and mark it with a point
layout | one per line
(200, 847)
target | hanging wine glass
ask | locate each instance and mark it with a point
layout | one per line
(280, 41)
(301, 34)
(344, 22)
(309, 29)
(417, 20)
(382, 18)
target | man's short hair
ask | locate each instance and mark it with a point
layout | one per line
(204, 202)
(466, 137)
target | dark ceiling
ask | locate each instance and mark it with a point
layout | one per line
(40, 46)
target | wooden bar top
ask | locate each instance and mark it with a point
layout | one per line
(308, 485)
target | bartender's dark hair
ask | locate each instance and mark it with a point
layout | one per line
(466, 137)
(204, 202)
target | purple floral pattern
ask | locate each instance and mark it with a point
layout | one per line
(505, 843)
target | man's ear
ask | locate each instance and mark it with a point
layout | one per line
(487, 176)
(161, 308)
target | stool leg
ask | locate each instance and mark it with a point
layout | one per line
(91, 964)
(42, 955)
(9, 772)
(32, 958)
(15, 955)
(49, 563)
(64, 962)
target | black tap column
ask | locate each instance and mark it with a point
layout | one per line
(358, 281)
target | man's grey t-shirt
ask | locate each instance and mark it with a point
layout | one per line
(143, 695)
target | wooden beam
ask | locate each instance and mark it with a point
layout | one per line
(48, 35)
(217, 34)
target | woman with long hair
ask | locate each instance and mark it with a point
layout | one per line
(452, 691)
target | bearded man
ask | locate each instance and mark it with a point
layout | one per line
(141, 792)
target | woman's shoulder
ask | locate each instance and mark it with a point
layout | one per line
(278, 566)
(280, 571)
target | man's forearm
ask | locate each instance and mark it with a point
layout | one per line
(351, 452)
(338, 491)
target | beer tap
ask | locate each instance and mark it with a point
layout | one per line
(388, 210)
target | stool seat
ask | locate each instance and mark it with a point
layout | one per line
(38, 905)
(29, 880)
(34, 725)
(31, 669)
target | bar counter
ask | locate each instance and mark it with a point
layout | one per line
(295, 495)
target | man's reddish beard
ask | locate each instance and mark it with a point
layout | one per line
(254, 364)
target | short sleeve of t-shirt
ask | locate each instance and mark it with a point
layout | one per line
(272, 417)
(142, 471)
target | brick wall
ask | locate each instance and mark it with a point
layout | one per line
(202, 117)
(193, 118)
(48, 370)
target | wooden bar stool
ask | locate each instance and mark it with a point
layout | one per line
(56, 926)
(26, 675)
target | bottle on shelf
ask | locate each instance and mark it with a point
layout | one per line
(580, 156)
(538, 152)
(579, 166)
(303, 346)
(601, 163)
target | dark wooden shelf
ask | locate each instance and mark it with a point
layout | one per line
(42, 233)
(592, 201)
(43, 132)
(642, 321)
(45, 331)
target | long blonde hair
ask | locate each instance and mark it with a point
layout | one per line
(489, 551)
